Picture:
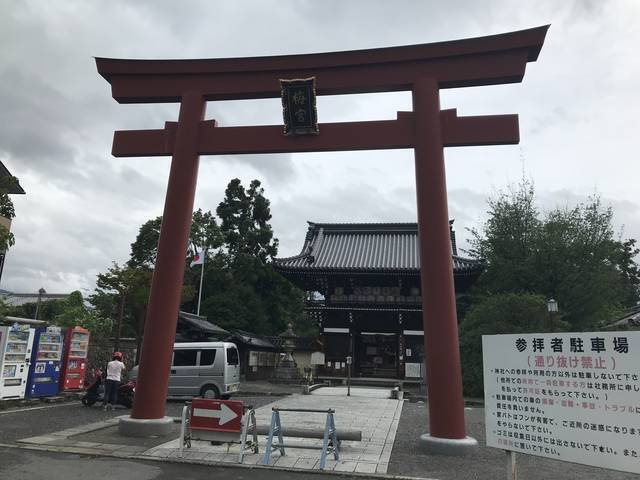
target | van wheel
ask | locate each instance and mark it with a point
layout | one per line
(210, 391)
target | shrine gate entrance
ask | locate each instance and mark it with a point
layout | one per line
(423, 70)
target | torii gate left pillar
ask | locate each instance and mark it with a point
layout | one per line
(422, 69)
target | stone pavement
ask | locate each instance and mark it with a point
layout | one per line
(264, 387)
(367, 409)
(69, 444)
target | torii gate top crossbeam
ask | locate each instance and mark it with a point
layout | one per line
(469, 62)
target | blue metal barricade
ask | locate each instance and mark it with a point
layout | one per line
(330, 441)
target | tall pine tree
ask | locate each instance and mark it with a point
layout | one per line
(245, 216)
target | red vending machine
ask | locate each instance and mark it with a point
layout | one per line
(74, 366)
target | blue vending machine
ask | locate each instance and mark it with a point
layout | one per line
(46, 362)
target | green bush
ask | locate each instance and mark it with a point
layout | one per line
(496, 314)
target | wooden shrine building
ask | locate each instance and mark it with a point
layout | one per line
(362, 282)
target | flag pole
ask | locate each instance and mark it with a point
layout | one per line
(204, 252)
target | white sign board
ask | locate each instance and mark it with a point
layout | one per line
(566, 396)
(317, 358)
(253, 359)
(412, 370)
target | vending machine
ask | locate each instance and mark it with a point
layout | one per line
(74, 360)
(15, 355)
(46, 362)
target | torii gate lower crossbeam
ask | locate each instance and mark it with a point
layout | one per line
(423, 69)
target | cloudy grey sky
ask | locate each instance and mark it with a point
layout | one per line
(578, 107)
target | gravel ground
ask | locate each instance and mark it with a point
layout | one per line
(488, 463)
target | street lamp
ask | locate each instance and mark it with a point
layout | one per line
(552, 308)
(41, 292)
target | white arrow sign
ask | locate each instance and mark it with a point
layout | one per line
(224, 415)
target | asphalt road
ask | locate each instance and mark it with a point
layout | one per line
(21, 464)
(487, 464)
(29, 422)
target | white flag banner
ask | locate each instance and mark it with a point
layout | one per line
(198, 259)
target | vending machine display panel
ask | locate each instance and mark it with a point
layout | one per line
(44, 377)
(74, 359)
(15, 349)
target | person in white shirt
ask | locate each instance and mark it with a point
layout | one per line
(114, 376)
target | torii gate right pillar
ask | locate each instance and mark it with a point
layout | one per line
(442, 354)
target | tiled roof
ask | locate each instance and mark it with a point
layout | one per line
(300, 343)
(252, 339)
(363, 247)
(200, 323)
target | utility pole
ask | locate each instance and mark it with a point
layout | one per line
(349, 376)
(552, 309)
(41, 292)
(116, 343)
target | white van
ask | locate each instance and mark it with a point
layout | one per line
(203, 369)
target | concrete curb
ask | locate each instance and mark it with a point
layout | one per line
(316, 386)
(7, 405)
(262, 394)
(468, 401)
(307, 389)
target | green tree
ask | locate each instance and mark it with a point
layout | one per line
(240, 288)
(570, 254)
(48, 310)
(76, 313)
(68, 312)
(508, 240)
(247, 294)
(145, 248)
(7, 210)
(580, 263)
(204, 233)
(121, 295)
(245, 216)
(496, 314)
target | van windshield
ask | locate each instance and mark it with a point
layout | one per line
(232, 356)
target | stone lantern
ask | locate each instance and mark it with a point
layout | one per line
(287, 370)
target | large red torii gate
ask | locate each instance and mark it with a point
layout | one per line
(422, 69)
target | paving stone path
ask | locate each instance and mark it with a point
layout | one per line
(367, 409)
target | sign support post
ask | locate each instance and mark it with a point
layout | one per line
(512, 468)
(349, 362)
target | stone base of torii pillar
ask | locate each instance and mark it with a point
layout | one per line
(447, 446)
(137, 427)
